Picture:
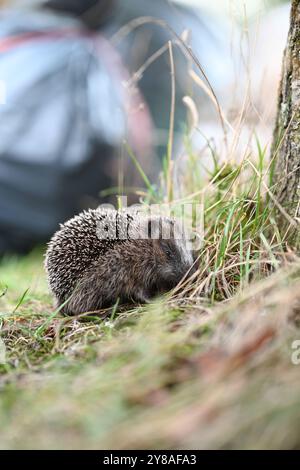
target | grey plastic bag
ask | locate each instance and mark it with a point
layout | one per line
(60, 122)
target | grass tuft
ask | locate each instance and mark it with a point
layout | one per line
(211, 366)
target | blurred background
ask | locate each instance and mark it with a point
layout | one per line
(87, 98)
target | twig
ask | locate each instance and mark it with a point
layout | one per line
(171, 128)
(139, 73)
(137, 22)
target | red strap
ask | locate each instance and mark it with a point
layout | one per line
(14, 41)
(138, 116)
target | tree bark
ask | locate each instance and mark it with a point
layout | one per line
(286, 142)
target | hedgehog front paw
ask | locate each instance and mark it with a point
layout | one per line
(142, 297)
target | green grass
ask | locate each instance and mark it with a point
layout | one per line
(161, 376)
(209, 367)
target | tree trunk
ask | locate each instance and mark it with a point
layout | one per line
(286, 143)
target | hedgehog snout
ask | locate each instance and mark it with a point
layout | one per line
(173, 273)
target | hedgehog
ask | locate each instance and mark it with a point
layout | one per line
(104, 256)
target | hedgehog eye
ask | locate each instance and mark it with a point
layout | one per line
(168, 253)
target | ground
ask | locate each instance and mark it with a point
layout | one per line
(213, 365)
(163, 376)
